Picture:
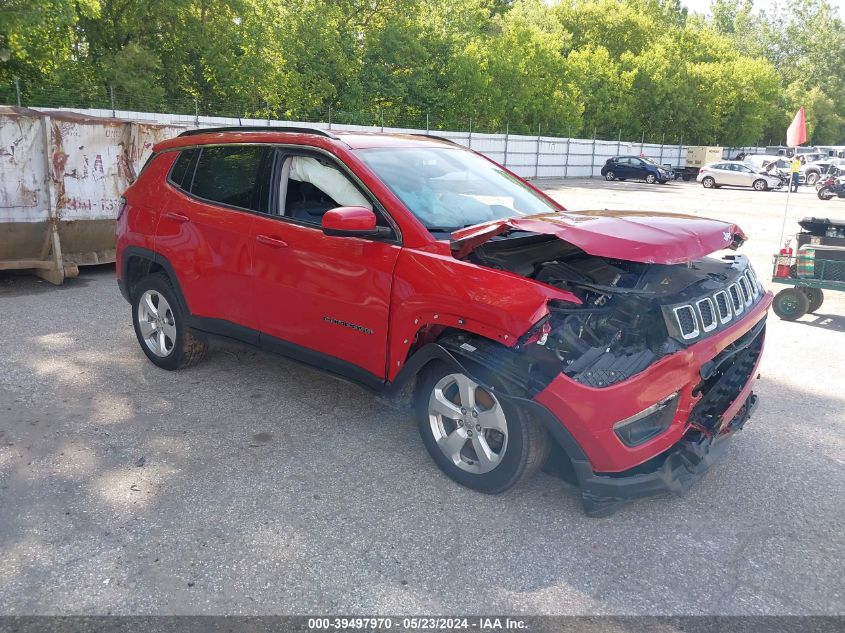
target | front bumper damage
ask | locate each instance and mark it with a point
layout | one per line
(714, 379)
(673, 471)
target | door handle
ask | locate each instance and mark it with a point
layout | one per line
(178, 217)
(273, 242)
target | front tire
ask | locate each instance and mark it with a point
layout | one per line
(651, 179)
(790, 304)
(708, 182)
(160, 325)
(760, 185)
(477, 439)
(812, 178)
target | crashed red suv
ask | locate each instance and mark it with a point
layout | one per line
(605, 345)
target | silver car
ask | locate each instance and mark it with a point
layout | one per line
(734, 173)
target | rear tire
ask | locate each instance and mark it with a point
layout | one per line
(790, 304)
(708, 182)
(508, 448)
(610, 176)
(825, 193)
(812, 178)
(160, 325)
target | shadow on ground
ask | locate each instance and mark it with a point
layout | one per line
(250, 484)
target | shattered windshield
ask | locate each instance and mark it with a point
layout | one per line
(449, 188)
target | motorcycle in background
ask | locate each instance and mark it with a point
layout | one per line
(831, 188)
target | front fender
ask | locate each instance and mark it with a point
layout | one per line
(435, 352)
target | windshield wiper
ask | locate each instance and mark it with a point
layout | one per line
(450, 229)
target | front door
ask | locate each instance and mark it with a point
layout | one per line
(326, 299)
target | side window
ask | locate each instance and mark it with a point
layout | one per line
(311, 186)
(234, 175)
(183, 169)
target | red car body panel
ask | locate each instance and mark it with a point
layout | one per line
(637, 236)
(305, 288)
(295, 283)
(433, 289)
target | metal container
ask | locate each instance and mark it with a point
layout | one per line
(61, 178)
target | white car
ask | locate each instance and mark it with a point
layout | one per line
(735, 173)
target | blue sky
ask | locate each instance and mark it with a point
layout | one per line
(703, 6)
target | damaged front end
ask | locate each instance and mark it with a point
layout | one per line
(630, 314)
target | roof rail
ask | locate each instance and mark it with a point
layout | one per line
(437, 138)
(256, 128)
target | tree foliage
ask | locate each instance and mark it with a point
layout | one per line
(577, 67)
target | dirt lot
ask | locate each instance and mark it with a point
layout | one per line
(253, 485)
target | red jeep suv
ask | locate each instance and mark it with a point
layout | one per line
(605, 345)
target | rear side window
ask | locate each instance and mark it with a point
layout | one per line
(236, 175)
(180, 174)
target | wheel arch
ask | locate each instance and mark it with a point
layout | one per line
(450, 350)
(137, 262)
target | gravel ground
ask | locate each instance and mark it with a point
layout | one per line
(251, 485)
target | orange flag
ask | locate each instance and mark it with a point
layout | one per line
(796, 133)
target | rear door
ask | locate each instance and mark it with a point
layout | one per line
(731, 175)
(719, 172)
(325, 299)
(623, 168)
(205, 226)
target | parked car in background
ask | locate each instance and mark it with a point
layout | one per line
(635, 168)
(813, 171)
(734, 173)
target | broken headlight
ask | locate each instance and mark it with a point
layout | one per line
(648, 423)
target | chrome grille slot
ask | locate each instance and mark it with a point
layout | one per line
(723, 305)
(736, 299)
(745, 287)
(707, 313)
(752, 280)
(687, 322)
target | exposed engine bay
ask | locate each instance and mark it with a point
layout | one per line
(631, 313)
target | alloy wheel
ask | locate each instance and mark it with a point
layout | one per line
(156, 323)
(468, 424)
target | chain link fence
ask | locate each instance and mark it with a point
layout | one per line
(536, 149)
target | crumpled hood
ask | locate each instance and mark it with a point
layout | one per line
(637, 236)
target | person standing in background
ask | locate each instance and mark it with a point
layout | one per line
(796, 167)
